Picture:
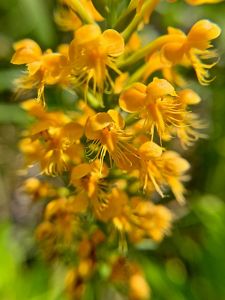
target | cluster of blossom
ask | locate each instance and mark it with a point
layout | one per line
(110, 151)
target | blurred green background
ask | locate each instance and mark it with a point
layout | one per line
(187, 265)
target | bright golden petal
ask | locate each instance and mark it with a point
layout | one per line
(159, 88)
(80, 171)
(119, 121)
(176, 164)
(189, 97)
(113, 41)
(97, 123)
(202, 33)
(172, 52)
(133, 99)
(87, 33)
(27, 51)
(96, 15)
(73, 131)
(150, 150)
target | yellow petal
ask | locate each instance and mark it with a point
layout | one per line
(73, 131)
(202, 33)
(133, 99)
(189, 97)
(80, 171)
(159, 88)
(41, 127)
(33, 107)
(63, 49)
(87, 33)
(67, 19)
(150, 150)
(53, 63)
(116, 201)
(96, 123)
(27, 51)
(97, 165)
(33, 67)
(113, 41)
(119, 121)
(173, 52)
(96, 15)
(175, 164)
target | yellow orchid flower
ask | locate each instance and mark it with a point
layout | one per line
(58, 149)
(46, 68)
(56, 138)
(106, 130)
(138, 218)
(191, 129)
(150, 154)
(38, 189)
(116, 201)
(33, 150)
(91, 53)
(90, 184)
(149, 220)
(194, 47)
(177, 48)
(162, 168)
(156, 103)
(60, 214)
(173, 168)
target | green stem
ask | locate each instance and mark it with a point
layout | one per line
(83, 13)
(147, 7)
(150, 49)
(123, 16)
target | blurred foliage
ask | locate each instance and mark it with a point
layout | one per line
(189, 264)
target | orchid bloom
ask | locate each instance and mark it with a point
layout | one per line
(106, 131)
(91, 53)
(163, 168)
(90, 184)
(46, 68)
(194, 47)
(57, 139)
(156, 103)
